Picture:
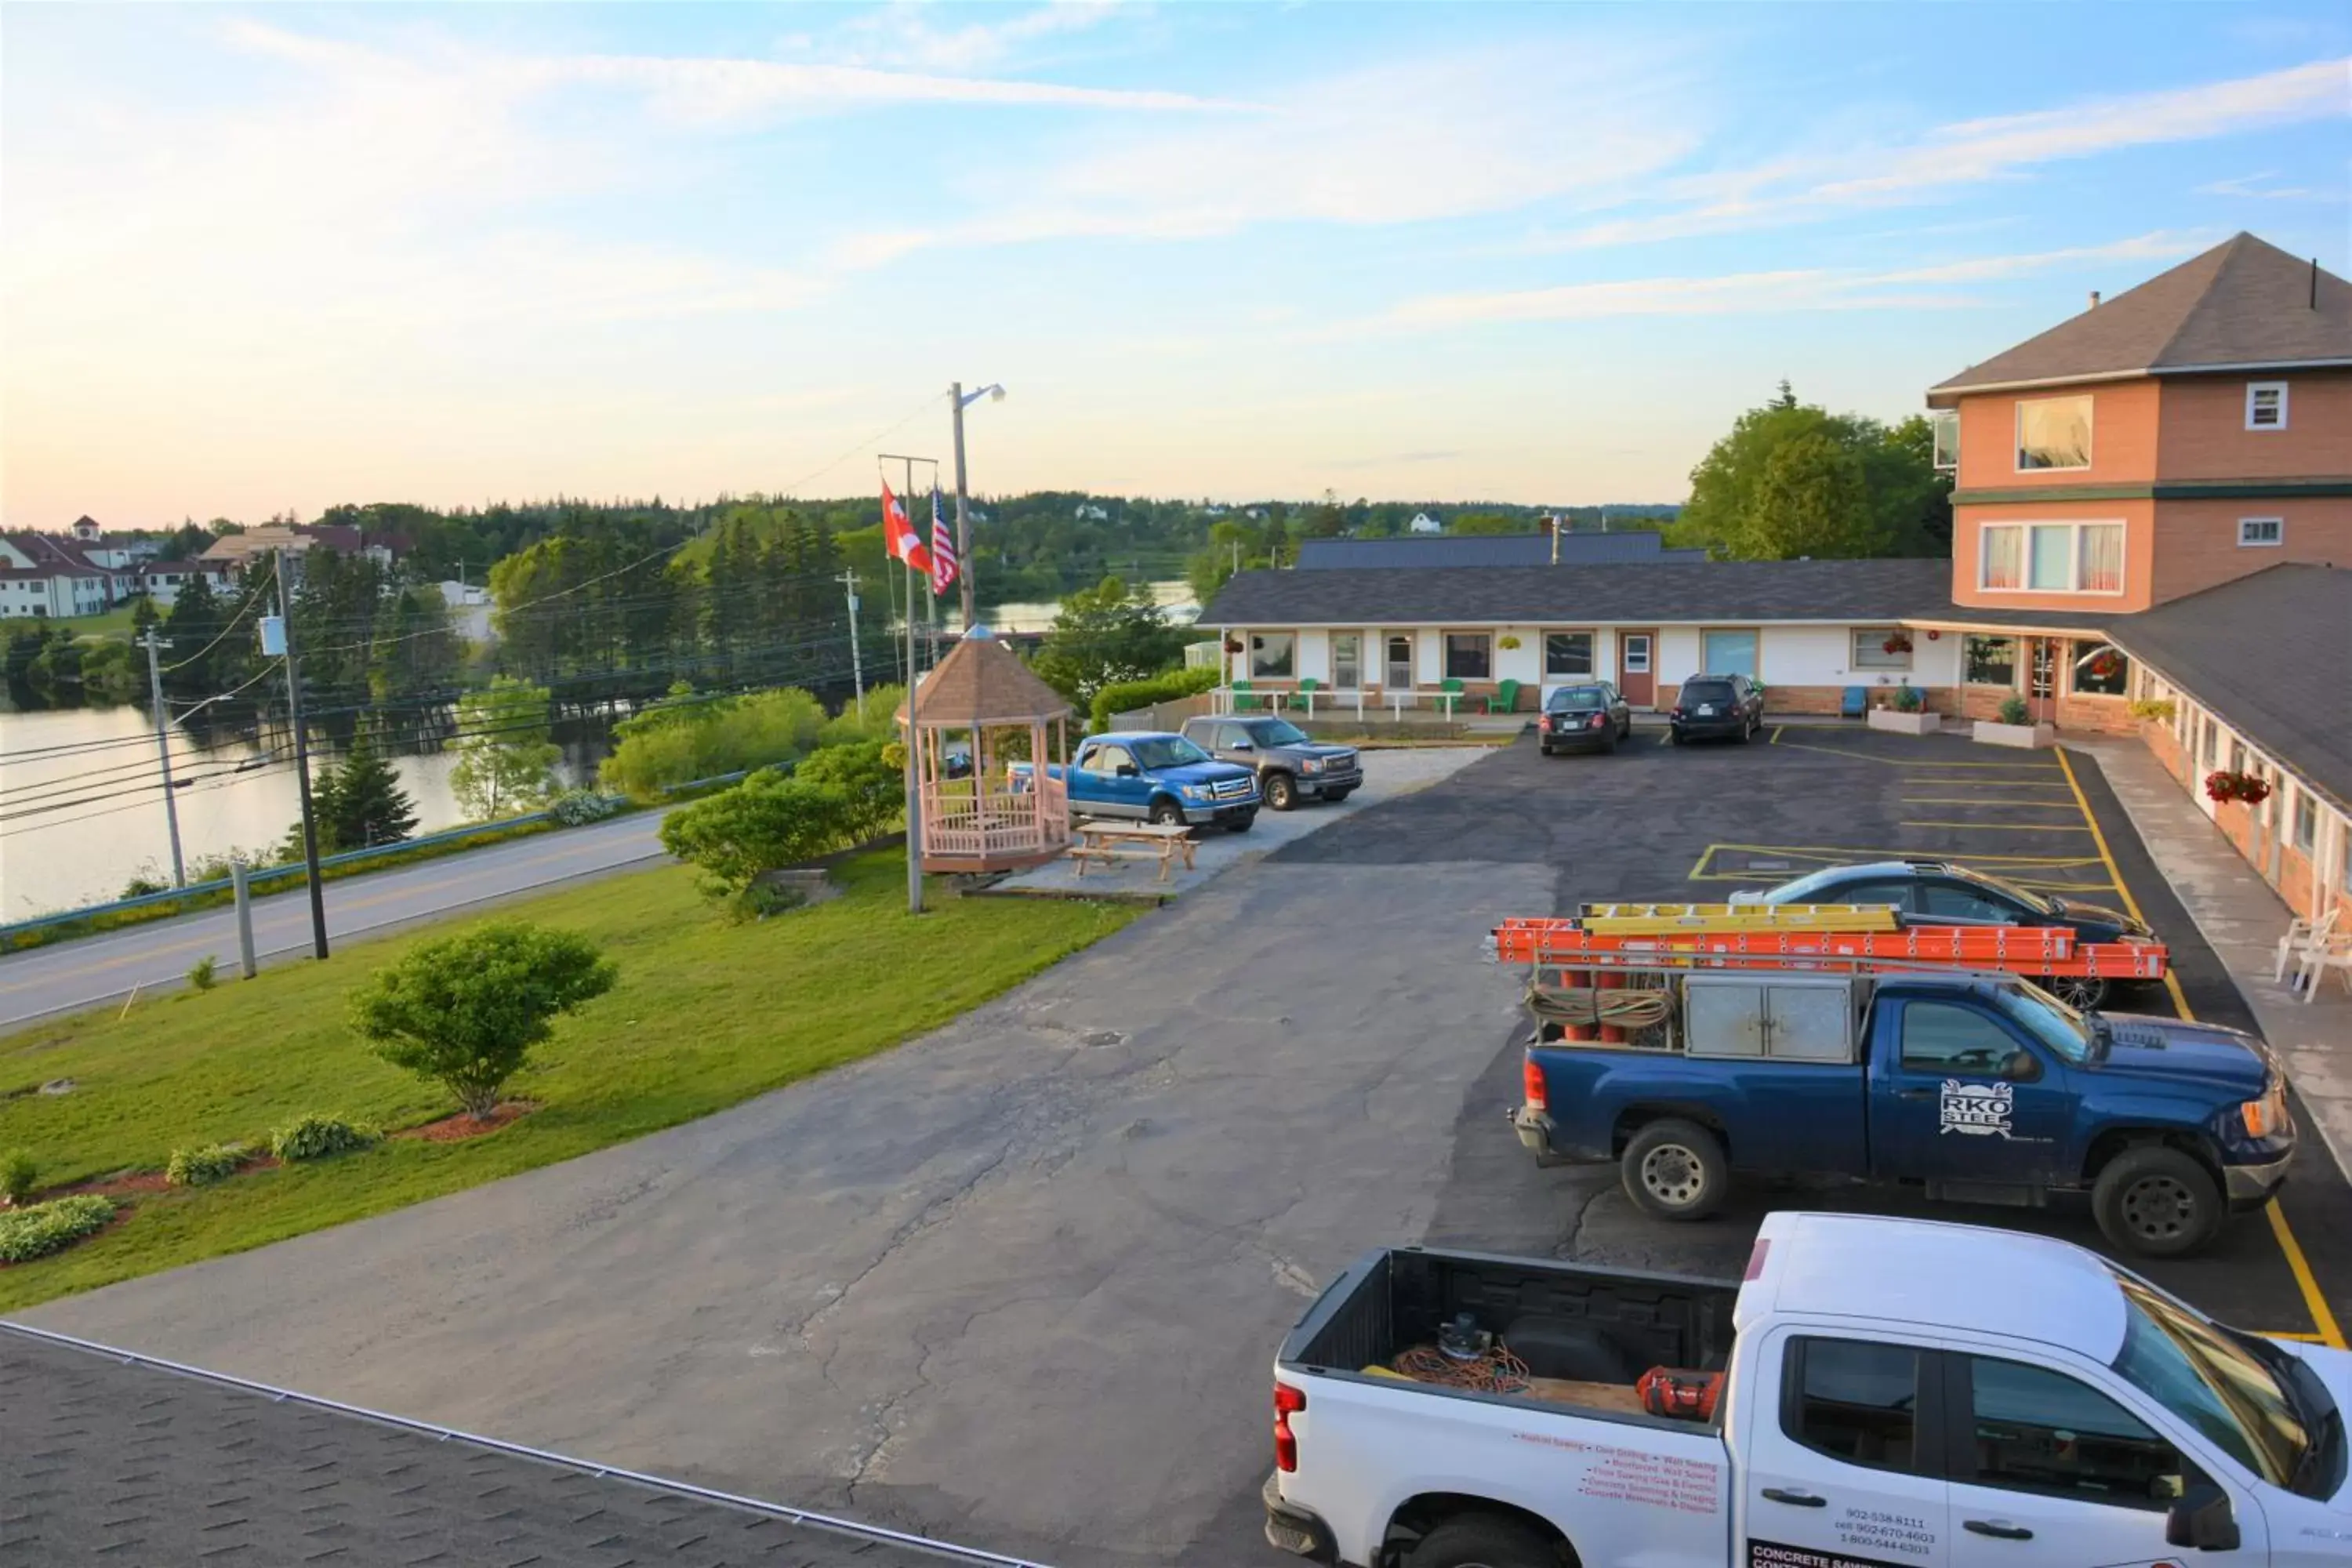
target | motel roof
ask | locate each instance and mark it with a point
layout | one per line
(1487, 549)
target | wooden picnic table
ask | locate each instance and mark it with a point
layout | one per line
(1104, 843)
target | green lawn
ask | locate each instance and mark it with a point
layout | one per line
(706, 1013)
(114, 625)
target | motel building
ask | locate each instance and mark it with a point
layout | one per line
(2152, 506)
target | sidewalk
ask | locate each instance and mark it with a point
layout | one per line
(2242, 920)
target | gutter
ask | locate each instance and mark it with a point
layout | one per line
(1950, 389)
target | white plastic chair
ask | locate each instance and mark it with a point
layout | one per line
(2301, 934)
(2321, 955)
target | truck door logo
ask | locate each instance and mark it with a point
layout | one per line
(1979, 1110)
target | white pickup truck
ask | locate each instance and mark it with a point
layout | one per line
(1894, 1394)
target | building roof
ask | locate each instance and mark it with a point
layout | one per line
(115, 1460)
(2269, 654)
(981, 682)
(2245, 304)
(1487, 549)
(1634, 592)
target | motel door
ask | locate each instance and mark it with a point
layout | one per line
(1636, 667)
(2041, 677)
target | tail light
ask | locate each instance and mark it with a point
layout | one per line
(1287, 1402)
(1677, 711)
(1756, 1256)
(1599, 719)
(1532, 1080)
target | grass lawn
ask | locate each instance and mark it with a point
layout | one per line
(706, 1013)
(114, 625)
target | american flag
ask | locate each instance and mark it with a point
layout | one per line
(943, 554)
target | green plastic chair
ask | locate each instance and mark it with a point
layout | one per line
(1308, 686)
(1506, 698)
(1245, 701)
(1450, 689)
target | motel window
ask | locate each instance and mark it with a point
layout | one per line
(2237, 756)
(1990, 661)
(2053, 433)
(1346, 660)
(2205, 741)
(2101, 668)
(2261, 531)
(1469, 656)
(1730, 652)
(2267, 406)
(2307, 820)
(1881, 647)
(1272, 655)
(2051, 557)
(1568, 653)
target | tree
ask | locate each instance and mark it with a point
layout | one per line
(504, 757)
(1488, 523)
(872, 785)
(1772, 488)
(361, 804)
(1811, 500)
(1104, 634)
(767, 821)
(690, 736)
(144, 618)
(466, 1010)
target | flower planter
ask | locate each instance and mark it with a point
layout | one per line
(2027, 735)
(1902, 724)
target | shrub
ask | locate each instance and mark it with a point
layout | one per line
(316, 1137)
(17, 1174)
(1907, 698)
(465, 1011)
(2014, 711)
(765, 822)
(204, 1165)
(2154, 709)
(870, 776)
(873, 718)
(577, 808)
(203, 973)
(689, 738)
(1126, 695)
(36, 1232)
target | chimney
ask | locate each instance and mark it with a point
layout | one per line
(2095, 299)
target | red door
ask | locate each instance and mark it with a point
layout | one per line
(2042, 678)
(1637, 654)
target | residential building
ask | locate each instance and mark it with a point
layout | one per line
(162, 580)
(1423, 524)
(51, 575)
(238, 552)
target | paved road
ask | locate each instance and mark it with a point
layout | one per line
(69, 976)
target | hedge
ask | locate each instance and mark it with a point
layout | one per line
(36, 1232)
(1126, 695)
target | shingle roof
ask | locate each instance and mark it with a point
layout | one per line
(1635, 592)
(2244, 303)
(109, 1461)
(1487, 549)
(2270, 654)
(981, 682)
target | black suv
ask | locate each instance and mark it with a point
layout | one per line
(1726, 706)
(1590, 717)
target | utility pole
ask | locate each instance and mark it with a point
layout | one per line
(856, 662)
(301, 761)
(163, 751)
(963, 508)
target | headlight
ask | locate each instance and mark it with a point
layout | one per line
(2266, 1117)
(1310, 765)
(1195, 791)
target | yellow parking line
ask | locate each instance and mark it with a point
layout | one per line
(2309, 1339)
(2002, 826)
(1923, 853)
(1985, 800)
(2322, 1318)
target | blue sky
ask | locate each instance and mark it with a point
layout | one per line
(287, 256)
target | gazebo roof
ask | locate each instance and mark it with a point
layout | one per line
(981, 682)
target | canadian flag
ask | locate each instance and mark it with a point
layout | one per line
(897, 533)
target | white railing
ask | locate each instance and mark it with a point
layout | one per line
(978, 821)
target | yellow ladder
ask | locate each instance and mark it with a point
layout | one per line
(1660, 919)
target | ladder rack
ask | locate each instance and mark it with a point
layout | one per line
(2014, 950)
(1648, 920)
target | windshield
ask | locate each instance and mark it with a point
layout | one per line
(2194, 1368)
(1802, 890)
(2034, 902)
(1707, 692)
(1169, 752)
(2046, 1018)
(1279, 732)
(1583, 698)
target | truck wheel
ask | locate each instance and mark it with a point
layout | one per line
(2081, 992)
(1281, 793)
(1676, 1170)
(1165, 812)
(1673, 737)
(1483, 1541)
(2156, 1202)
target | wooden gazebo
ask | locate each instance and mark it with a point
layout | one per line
(984, 695)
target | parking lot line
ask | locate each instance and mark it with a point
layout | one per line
(1851, 850)
(1853, 754)
(1984, 800)
(2321, 1317)
(2002, 826)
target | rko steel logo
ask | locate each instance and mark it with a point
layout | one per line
(1979, 1110)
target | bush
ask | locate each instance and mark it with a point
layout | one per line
(870, 776)
(763, 823)
(1907, 698)
(316, 1137)
(36, 1232)
(1126, 695)
(203, 973)
(466, 1010)
(202, 1166)
(17, 1174)
(689, 738)
(2154, 709)
(2014, 711)
(577, 808)
(874, 718)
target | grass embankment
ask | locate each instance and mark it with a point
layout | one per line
(706, 1013)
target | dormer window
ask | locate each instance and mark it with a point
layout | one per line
(2267, 406)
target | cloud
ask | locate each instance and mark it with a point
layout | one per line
(2258, 186)
(903, 35)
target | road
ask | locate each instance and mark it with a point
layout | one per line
(69, 976)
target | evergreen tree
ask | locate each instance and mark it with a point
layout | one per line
(364, 802)
(144, 618)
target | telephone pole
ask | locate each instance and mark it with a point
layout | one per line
(301, 761)
(163, 751)
(849, 579)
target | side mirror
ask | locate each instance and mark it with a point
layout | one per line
(2201, 1519)
(1242, 746)
(2020, 1066)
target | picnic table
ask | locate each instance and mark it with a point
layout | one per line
(1105, 843)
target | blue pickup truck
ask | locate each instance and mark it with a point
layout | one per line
(1977, 1088)
(1153, 777)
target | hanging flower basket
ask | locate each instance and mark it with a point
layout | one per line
(1232, 645)
(2103, 666)
(1507, 642)
(1899, 643)
(2222, 785)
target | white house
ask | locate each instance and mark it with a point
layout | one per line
(162, 580)
(49, 574)
(1425, 523)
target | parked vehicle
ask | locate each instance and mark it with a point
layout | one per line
(1152, 777)
(1716, 706)
(1587, 718)
(1291, 765)
(1954, 895)
(1874, 1391)
(1977, 1089)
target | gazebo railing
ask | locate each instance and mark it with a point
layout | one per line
(971, 818)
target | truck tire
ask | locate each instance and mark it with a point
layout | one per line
(2156, 1202)
(1165, 812)
(1281, 790)
(2084, 993)
(1484, 1541)
(1676, 1170)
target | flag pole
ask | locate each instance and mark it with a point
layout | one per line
(914, 769)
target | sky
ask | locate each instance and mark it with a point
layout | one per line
(283, 256)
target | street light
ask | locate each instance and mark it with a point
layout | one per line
(962, 400)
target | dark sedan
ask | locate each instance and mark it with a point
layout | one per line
(1941, 892)
(1727, 706)
(1592, 718)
